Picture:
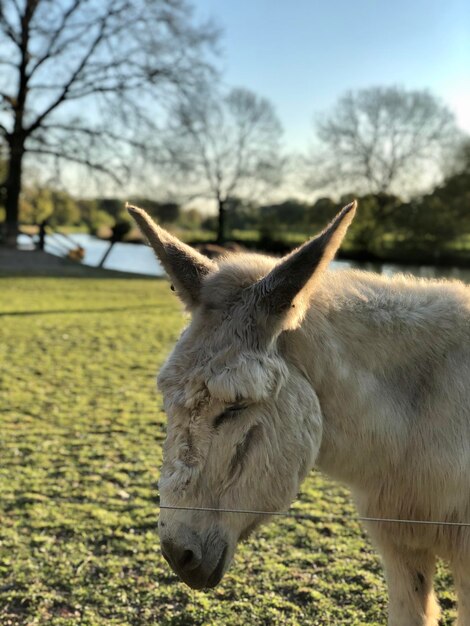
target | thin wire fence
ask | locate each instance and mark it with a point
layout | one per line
(315, 518)
(110, 394)
(142, 405)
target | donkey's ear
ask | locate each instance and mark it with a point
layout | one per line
(286, 290)
(185, 266)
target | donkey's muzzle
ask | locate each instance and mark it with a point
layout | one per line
(182, 557)
(197, 565)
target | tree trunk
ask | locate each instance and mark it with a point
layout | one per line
(17, 138)
(221, 224)
(13, 190)
(106, 254)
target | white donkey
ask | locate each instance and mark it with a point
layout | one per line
(286, 365)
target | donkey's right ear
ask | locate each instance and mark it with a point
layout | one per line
(286, 291)
(185, 266)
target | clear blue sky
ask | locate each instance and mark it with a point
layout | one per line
(302, 54)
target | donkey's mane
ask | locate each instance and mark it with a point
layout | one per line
(236, 271)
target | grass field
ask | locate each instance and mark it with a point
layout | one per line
(81, 431)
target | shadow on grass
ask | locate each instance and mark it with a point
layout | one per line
(97, 310)
(69, 271)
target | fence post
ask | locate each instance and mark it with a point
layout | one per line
(42, 235)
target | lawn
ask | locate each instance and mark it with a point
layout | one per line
(81, 431)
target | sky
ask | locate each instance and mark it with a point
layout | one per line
(303, 54)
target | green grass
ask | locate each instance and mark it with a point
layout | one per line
(80, 447)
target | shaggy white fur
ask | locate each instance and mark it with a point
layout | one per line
(286, 365)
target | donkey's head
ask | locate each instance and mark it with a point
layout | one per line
(244, 424)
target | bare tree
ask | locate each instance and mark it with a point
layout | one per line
(81, 80)
(375, 140)
(222, 146)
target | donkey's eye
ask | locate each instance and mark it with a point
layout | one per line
(237, 407)
(231, 411)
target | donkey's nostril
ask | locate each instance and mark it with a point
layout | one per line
(186, 559)
(181, 557)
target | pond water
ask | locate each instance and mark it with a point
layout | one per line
(125, 257)
(140, 259)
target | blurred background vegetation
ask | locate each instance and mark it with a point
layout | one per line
(209, 160)
(433, 227)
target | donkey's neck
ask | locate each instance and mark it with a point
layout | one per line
(368, 346)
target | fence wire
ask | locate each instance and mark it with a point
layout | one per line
(315, 518)
(109, 393)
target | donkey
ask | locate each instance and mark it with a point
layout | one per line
(286, 365)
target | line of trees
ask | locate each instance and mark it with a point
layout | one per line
(428, 227)
(58, 208)
(78, 87)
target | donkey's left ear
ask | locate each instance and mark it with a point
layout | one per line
(285, 292)
(185, 266)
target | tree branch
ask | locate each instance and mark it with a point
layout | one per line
(63, 95)
(76, 159)
(8, 29)
(55, 36)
